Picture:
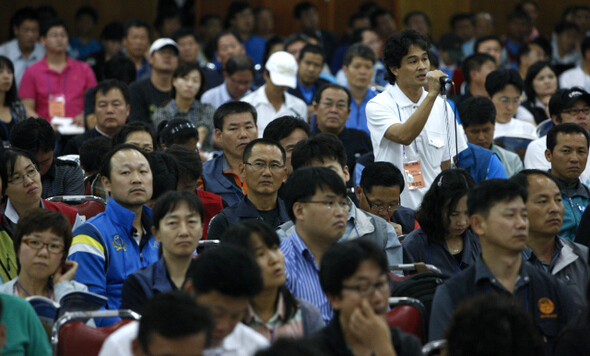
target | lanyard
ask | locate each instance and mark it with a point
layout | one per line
(194, 110)
(29, 294)
(63, 84)
(399, 114)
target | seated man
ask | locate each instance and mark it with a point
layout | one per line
(561, 257)
(173, 323)
(498, 215)
(59, 177)
(332, 109)
(475, 69)
(222, 279)
(580, 75)
(566, 105)
(264, 172)
(235, 127)
(316, 202)
(325, 150)
(111, 108)
(288, 131)
(225, 45)
(379, 193)
(238, 76)
(309, 66)
(115, 243)
(567, 151)
(272, 100)
(478, 117)
(353, 275)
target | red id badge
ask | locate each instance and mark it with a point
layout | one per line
(414, 177)
(57, 105)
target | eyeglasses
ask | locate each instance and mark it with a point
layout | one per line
(344, 205)
(260, 166)
(367, 289)
(52, 247)
(339, 105)
(29, 173)
(380, 207)
(575, 111)
(505, 101)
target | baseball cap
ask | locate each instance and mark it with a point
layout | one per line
(161, 43)
(282, 67)
(176, 128)
(565, 99)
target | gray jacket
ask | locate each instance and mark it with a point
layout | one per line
(366, 225)
(59, 290)
(571, 267)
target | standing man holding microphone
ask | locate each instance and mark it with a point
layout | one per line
(410, 127)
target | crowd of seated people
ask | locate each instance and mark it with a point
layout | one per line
(257, 188)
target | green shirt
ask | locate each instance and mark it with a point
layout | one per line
(24, 333)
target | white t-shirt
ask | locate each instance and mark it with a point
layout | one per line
(435, 144)
(534, 158)
(574, 77)
(292, 106)
(243, 341)
(515, 127)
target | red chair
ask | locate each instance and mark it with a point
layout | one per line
(407, 314)
(86, 205)
(70, 336)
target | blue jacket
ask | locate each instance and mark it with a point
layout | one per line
(107, 253)
(215, 181)
(481, 164)
(575, 198)
(145, 283)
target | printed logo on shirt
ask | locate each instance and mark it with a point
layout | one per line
(546, 307)
(119, 244)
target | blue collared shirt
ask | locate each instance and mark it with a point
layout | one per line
(357, 119)
(302, 276)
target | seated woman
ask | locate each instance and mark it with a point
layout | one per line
(444, 238)
(42, 239)
(11, 109)
(275, 312)
(23, 190)
(178, 226)
(539, 84)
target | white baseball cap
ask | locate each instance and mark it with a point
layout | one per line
(161, 43)
(282, 68)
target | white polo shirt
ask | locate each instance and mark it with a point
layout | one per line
(575, 77)
(435, 144)
(218, 96)
(266, 112)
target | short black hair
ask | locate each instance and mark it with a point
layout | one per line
(136, 23)
(285, 346)
(40, 220)
(518, 15)
(488, 193)
(173, 315)
(33, 135)
(477, 110)
(492, 322)
(381, 174)
(235, 8)
(397, 46)
(228, 270)
(342, 260)
(303, 183)
(522, 177)
(301, 7)
(318, 95)
(92, 151)
(358, 50)
(238, 63)
(105, 167)
(106, 85)
(566, 26)
(501, 78)
(230, 108)
(23, 14)
(130, 127)
(440, 200)
(170, 200)
(165, 14)
(262, 141)
(314, 49)
(223, 34)
(296, 37)
(357, 35)
(88, 11)
(531, 74)
(188, 162)
(460, 16)
(49, 23)
(411, 14)
(164, 173)
(323, 146)
(474, 62)
(112, 31)
(377, 13)
(121, 68)
(184, 32)
(358, 16)
(283, 126)
(482, 39)
(565, 128)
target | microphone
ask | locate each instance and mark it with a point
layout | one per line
(443, 80)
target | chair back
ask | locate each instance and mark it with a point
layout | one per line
(408, 314)
(87, 205)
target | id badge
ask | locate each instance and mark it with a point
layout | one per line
(414, 177)
(57, 105)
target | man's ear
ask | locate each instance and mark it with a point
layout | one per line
(106, 183)
(346, 174)
(548, 155)
(298, 210)
(241, 169)
(477, 224)
(335, 301)
(556, 119)
(358, 192)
